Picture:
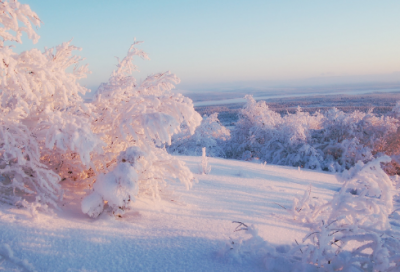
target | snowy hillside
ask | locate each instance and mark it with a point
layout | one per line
(186, 232)
(97, 184)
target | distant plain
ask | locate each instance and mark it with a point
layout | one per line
(345, 98)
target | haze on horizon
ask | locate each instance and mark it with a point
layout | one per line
(218, 45)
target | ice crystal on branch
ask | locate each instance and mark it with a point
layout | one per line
(11, 13)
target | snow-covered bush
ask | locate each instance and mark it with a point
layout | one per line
(332, 141)
(349, 137)
(245, 243)
(264, 134)
(48, 134)
(43, 117)
(210, 134)
(352, 232)
(390, 144)
(135, 121)
(255, 124)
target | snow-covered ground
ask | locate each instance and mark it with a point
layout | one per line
(187, 231)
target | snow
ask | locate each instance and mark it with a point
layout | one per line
(186, 231)
(118, 187)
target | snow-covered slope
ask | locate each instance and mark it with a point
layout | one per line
(184, 232)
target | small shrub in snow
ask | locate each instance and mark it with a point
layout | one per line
(352, 232)
(245, 244)
(204, 167)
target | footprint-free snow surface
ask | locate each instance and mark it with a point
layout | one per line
(187, 231)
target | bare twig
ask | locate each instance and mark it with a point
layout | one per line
(331, 223)
(239, 227)
(333, 233)
(310, 235)
(279, 205)
(298, 245)
(334, 243)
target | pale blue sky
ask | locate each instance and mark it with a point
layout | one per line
(207, 42)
